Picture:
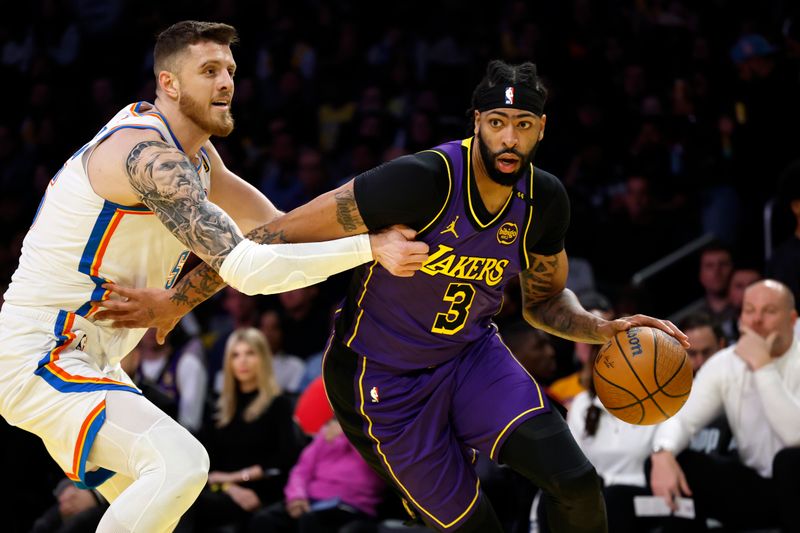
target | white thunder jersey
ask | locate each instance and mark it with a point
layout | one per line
(79, 240)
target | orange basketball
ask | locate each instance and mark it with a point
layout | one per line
(642, 376)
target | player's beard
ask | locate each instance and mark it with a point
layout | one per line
(202, 117)
(507, 179)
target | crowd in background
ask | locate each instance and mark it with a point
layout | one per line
(667, 122)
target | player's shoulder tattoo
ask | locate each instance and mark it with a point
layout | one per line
(347, 214)
(537, 281)
(167, 182)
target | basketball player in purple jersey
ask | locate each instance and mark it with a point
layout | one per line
(415, 370)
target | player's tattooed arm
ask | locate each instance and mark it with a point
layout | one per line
(203, 282)
(548, 305)
(167, 182)
(347, 214)
(332, 215)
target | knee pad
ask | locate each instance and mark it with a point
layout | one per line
(578, 486)
(169, 447)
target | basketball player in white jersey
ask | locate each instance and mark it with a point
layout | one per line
(127, 208)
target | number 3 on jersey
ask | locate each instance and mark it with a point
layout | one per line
(460, 296)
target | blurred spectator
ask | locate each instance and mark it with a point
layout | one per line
(714, 274)
(289, 369)
(532, 349)
(705, 338)
(618, 451)
(177, 371)
(238, 311)
(306, 321)
(637, 219)
(252, 441)
(130, 364)
(76, 511)
(741, 278)
(279, 175)
(756, 383)
(312, 176)
(330, 486)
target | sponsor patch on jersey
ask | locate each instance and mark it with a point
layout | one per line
(507, 233)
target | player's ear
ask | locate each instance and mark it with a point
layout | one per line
(543, 121)
(169, 84)
(475, 119)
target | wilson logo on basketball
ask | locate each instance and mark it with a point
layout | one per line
(507, 233)
(634, 342)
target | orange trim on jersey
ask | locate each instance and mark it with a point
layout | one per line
(66, 337)
(97, 261)
(94, 270)
(76, 456)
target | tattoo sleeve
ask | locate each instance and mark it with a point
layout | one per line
(549, 306)
(167, 183)
(203, 282)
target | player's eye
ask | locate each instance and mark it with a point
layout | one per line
(495, 122)
(524, 125)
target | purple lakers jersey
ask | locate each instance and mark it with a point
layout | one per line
(425, 320)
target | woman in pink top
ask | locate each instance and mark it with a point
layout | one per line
(329, 487)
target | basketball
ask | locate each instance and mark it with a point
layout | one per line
(642, 376)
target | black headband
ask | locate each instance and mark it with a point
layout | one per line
(513, 96)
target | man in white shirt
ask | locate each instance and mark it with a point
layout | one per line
(756, 383)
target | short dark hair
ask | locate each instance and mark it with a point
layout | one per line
(187, 32)
(499, 72)
(701, 320)
(717, 245)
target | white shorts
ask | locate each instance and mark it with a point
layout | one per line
(51, 384)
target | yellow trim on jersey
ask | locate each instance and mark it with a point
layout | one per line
(449, 189)
(361, 299)
(538, 388)
(389, 467)
(468, 143)
(528, 225)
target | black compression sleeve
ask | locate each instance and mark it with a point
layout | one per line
(551, 215)
(409, 190)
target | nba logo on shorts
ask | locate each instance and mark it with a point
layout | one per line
(509, 95)
(373, 393)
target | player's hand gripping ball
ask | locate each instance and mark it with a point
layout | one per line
(642, 376)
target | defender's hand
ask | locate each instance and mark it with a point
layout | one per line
(140, 308)
(612, 327)
(395, 250)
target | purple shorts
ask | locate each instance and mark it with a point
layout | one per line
(420, 430)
